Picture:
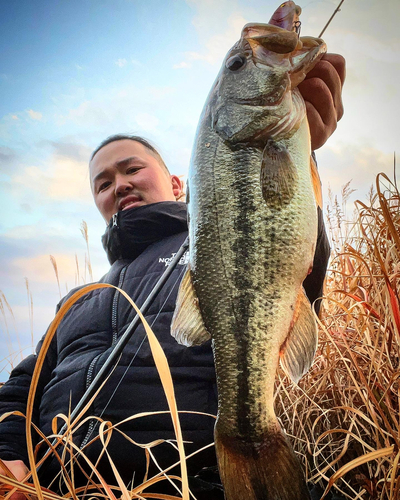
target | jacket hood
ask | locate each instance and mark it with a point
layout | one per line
(130, 232)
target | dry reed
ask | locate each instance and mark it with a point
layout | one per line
(55, 267)
(70, 453)
(88, 265)
(344, 416)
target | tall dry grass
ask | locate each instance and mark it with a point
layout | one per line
(15, 341)
(68, 455)
(344, 416)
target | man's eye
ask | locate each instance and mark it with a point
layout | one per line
(132, 170)
(104, 185)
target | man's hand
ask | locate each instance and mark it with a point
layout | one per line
(20, 470)
(322, 93)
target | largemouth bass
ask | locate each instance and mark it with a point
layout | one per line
(252, 231)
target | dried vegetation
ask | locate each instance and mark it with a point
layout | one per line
(343, 419)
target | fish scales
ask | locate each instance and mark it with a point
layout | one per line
(242, 245)
(252, 229)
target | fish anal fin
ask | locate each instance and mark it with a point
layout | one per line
(316, 182)
(266, 470)
(187, 325)
(298, 351)
(278, 175)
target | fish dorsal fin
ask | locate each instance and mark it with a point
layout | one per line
(316, 182)
(187, 325)
(298, 350)
(278, 175)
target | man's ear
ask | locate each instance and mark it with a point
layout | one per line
(177, 186)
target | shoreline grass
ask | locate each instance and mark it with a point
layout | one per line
(344, 416)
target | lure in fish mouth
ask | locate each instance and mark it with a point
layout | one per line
(252, 229)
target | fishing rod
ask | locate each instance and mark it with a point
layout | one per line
(330, 19)
(119, 347)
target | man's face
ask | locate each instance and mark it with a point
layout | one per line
(124, 174)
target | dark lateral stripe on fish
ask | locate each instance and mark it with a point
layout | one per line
(244, 239)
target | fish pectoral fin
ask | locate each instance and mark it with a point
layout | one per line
(187, 325)
(316, 182)
(298, 350)
(278, 175)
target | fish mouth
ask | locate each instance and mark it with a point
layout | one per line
(271, 38)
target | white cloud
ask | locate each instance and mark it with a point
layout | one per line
(135, 62)
(7, 157)
(62, 176)
(219, 25)
(77, 66)
(121, 62)
(147, 122)
(40, 270)
(14, 117)
(370, 47)
(61, 179)
(181, 65)
(361, 163)
(35, 115)
(109, 110)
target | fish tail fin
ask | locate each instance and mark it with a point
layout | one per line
(260, 471)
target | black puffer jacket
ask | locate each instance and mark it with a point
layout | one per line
(139, 246)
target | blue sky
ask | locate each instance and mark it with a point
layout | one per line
(73, 72)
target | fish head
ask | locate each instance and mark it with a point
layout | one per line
(252, 97)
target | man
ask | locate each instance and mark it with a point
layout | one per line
(137, 197)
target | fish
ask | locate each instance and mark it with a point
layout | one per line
(252, 215)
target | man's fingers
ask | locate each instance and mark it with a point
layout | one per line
(327, 74)
(322, 93)
(19, 470)
(339, 63)
(319, 132)
(317, 93)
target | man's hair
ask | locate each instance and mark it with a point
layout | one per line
(136, 138)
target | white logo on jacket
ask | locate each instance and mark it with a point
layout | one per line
(167, 260)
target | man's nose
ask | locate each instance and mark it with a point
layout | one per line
(122, 185)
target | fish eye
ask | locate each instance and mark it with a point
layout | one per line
(235, 62)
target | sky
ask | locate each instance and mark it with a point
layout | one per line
(73, 72)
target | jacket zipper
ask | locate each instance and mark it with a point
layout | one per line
(115, 307)
(115, 220)
(114, 325)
